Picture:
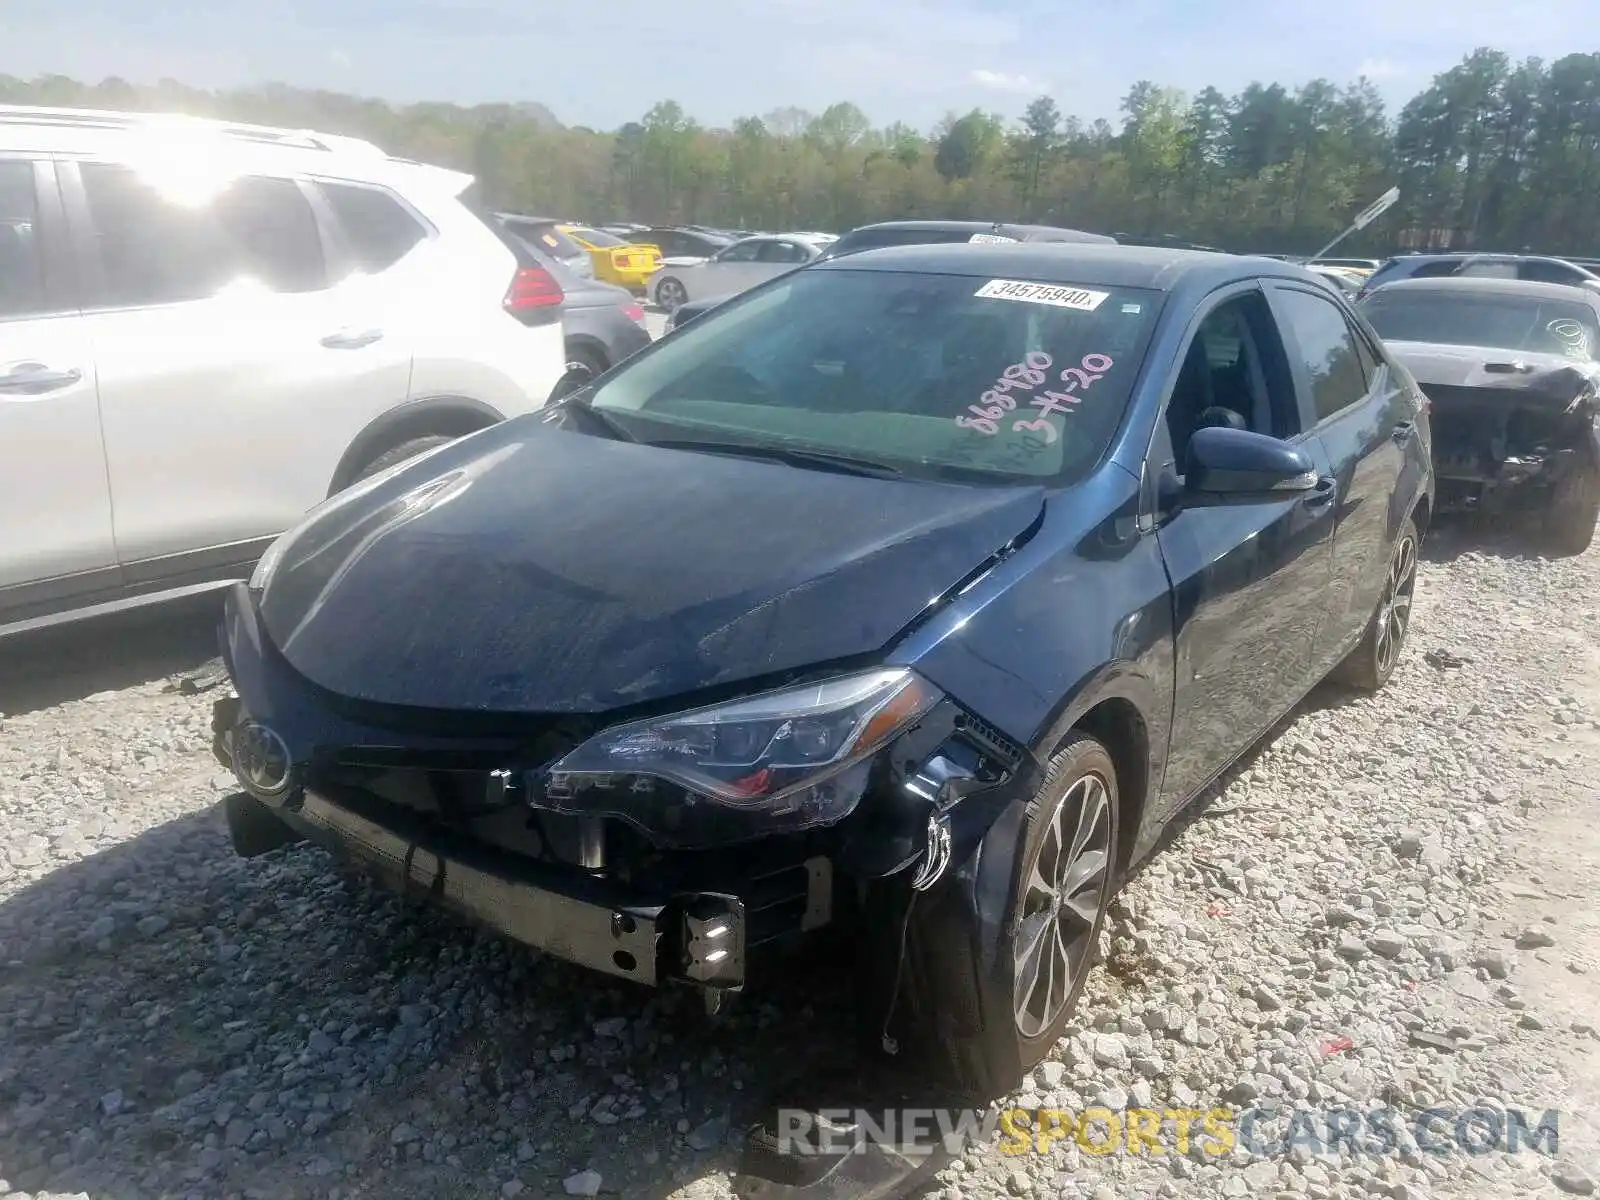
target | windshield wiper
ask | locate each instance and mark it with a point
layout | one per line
(813, 459)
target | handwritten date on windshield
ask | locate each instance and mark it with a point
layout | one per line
(1022, 378)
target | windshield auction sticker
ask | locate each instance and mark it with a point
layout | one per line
(1081, 299)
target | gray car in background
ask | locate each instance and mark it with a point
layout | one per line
(603, 324)
(734, 269)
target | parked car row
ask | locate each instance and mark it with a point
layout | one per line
(910, 590)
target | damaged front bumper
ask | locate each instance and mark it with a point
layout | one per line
(588, 890)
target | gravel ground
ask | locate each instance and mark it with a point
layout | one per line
(1384, 875)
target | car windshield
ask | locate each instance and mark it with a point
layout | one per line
(1503, 322)
(938, 376)
(597, 237)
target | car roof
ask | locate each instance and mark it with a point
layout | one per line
(1152, 267)
(1003, 227)
(1488, 285)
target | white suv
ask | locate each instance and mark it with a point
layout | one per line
(206, 329)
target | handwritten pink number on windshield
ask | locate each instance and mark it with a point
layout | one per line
(1092, 367)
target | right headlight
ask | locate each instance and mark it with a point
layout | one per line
(795, 757)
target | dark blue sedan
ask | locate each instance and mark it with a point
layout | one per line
(912, 594)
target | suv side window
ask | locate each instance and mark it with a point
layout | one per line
(782, 252)
(1323, 340)
(378, 230)
(21, 262)
(1548, 272)
(155, 250)
(1438, 269)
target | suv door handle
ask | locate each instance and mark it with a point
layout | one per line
(1403, 431)
(34, 378)
(352, 339)
(1323, 494)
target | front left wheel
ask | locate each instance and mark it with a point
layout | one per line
(990, 993)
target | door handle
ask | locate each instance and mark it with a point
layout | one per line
(1403, 431)
(1323, 494)
(352, 339)
(34, 378)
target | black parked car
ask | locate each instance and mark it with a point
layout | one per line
(912, 594)
(1511, 369)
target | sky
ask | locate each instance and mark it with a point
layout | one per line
(899, 60)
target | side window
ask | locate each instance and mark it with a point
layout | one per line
(1548, 272)
(1371, 364)
(377, 228)
(274, 232)
(741, 252)
(154, 249)
(1432, 270)
(782, 252)
(21, 263)
(1233, 374)
(1323, 341)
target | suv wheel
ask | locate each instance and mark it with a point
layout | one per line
(399, 454)
(1368, 667)
(989, 998)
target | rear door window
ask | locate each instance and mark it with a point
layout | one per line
(1326, 345)
(21, 259)
(155, 248)
(378, 230)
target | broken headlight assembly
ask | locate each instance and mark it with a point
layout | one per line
(782, 761)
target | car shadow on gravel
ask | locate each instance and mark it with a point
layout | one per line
(69, 662)
(1453, 535)
(175, 1020)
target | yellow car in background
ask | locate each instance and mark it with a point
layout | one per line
(626, 264)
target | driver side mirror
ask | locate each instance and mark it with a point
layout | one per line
(1225, 463)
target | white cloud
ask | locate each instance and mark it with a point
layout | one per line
(339, 58)
(1378, 69)
(1003, 81)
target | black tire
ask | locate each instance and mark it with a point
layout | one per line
(671, 294)
(587, 357)
(399, 454)
(1369, 666)
(968, 1019)
(1574, 510)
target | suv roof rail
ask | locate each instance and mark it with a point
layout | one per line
(95, 118)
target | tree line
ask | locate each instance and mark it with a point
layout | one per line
(1493, 155)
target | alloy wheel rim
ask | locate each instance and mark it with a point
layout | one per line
(1394, 611)
(671, 294)
(1061, 901)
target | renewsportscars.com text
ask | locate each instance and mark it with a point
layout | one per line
(1215, 1132)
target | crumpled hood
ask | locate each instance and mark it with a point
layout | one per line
(1438, 365)
(529, 569)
